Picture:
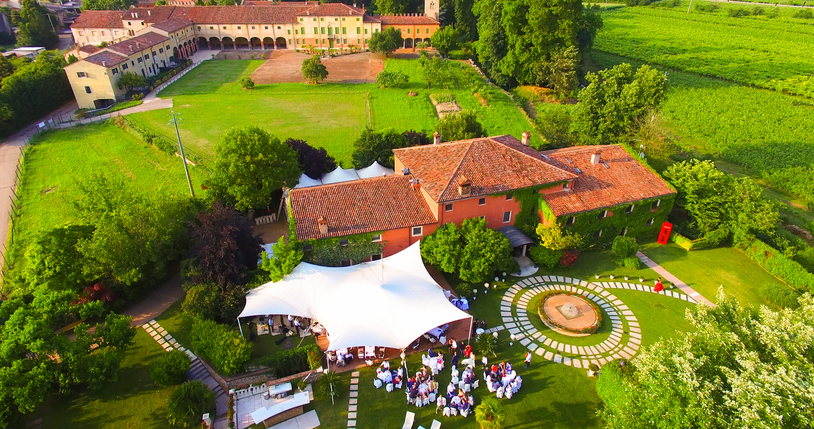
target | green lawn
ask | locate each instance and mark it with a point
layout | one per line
(59, 159)
(210, 101)
(133, 401)
(706, 270)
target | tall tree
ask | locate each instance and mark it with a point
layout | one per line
(34, 27)
(386, 42)
(720, 205)
(491, 45)
(737, 368)
(250, 164)
(223, 246)
(314, 162)
(377, 146)
(460, 126)
(284, 259)
(615, 101)
(110, 4)
(53, 258)
(35, 88)
(465, 20)
(391, 7)
(6, 68)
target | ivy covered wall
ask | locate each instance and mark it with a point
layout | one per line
(588, 223)
(332, 251)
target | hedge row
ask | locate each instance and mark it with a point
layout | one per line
(778, 264)
(290, 362)
(219, 344)
(145, 135)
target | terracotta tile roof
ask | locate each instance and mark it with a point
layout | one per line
(172, 24)
(407, 20)
(267, 14)
(332, 9)
(138, 43)
(359, 206)
(151, 15)
(90, 49)
(492, 164)
(624, 180)
(106, 59)
(99, 19)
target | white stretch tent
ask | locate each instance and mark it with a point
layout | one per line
(374, 170)
(307, 182)
(386, 303)
(339, 175)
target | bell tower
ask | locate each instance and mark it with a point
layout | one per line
(431, 8)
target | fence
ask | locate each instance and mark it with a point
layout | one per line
(161, 87)
(265, 219)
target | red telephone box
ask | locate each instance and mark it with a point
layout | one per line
(664, 235)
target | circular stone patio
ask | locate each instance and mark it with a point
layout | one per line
(622, 343)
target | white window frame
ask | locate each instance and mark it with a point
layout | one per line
(510, 217)
(81, 75)
(624, 232)
(420, 229)
(448, 207)
(657, 203)
(650, 222)
(604, 214)
(630, 209)
(571, 220)
(597, 234)
(482, 199)
(566, 186)
(377, 238)
(509, 197)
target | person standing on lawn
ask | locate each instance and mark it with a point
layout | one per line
(659, 287)
(528, 359)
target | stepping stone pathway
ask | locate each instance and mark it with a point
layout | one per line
(623, 342)
(197, 370)
(354, 398)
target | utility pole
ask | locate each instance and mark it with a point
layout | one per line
(688, 7)
(183, 157)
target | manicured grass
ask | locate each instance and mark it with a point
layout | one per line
(706, 270)
(58, 160)
(133, 401)
(210, 101)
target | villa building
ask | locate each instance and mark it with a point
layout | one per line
(254, 26)
(600, 191)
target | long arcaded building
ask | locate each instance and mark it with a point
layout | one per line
(146, 40)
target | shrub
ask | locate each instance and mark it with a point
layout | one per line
(222, 346)
(330, 384)
(188, 403)
(464, 289)
(737, 12)
(569, 258)
(632, 262)
(460, 126)
(388, 79)
(138, 96)
(780, 296)
(545, 257)
(246, 82)
(624, 247)
(804, 14)
(294, 361)
(486, 344)
(778, 265)
(170, 369)
(442, 97)
(611, 386)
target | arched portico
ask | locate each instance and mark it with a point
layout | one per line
(256, 43)
(428, 41)
(202, 41)
(408, 43)
(268, 43)
(279, 43)
(241, 43)
(228, 44)
(214, 43)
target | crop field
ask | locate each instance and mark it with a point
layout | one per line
(769, 133)
(768, 53)
(210, 101)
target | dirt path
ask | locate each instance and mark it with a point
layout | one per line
(157, 302)
(286, 67)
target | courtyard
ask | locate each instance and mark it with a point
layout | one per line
(286, 67)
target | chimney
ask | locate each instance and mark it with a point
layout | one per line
(131, 48)
(526, 138)
(149, 13)
(405, 171)
(415, 184)
(464, 186)
(436, 138)
(104, 63)
(596, 157)
(138, 45)
(323, 225)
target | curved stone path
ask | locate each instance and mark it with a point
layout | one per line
(625, 337)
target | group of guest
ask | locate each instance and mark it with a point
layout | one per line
(422, 389)
(455, 403)
(502, 379)
(389, 378)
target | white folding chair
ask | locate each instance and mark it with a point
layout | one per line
(389, 387)
(377, 383)
(453, 411)
(464, 413)
(500, 393)
(447, 411)
(475, 384)
(408, 420)
(370, 352)
(432, 397)
(435, 424)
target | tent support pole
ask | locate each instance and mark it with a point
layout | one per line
(469, 340)
(241, 328)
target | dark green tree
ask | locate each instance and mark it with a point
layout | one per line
(130, 80)
(432, 70)
(615, 102)
(170, 369)
(313, 70)
(460, 126)
(391, 7)
(34, 27)
(314, 162)
(6, 68)
(35, 89)
(554, 124)
(389, 79)
(249, 165)
(111, 4)
(377, 146)
(386, 42)
(491, 46)
(53, 258)
(465, 20)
